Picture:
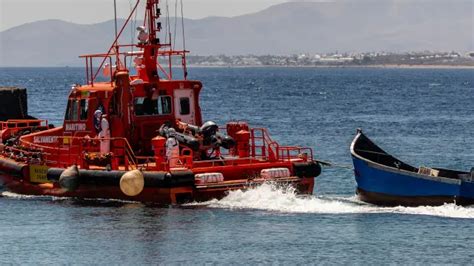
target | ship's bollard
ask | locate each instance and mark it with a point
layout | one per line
(243, 147)
(159, 150)
(132, 183)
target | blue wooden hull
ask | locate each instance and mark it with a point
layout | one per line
(380, 183)
(389, 188)
(467, 193)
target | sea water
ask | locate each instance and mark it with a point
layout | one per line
(423, 116)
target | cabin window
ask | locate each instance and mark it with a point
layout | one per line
(145, 106)
(148, 106)
(185, 108)
(75, 110)
(68, 111)
(164, 105)
(84, 105)
(72, 110)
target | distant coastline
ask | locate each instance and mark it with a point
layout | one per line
(342, 66)
(425, 59)
(292, 66)
(291, 33)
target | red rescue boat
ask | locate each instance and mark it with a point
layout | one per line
(139, 136)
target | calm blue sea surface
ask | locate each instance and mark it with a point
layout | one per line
(423, 116)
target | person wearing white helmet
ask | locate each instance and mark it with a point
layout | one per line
(142, 35)
(97, 117)
(172, 148)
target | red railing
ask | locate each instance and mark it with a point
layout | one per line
(287, 153)
(91, 73)
(262, 146)
(67, 150)
(20, 124)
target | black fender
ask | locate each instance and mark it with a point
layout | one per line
(153, 179)
(307, 169)
(12, 168)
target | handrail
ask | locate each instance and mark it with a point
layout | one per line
(70, 148)
(130, 154)
(16, 122)
(279, 152)
(264, 147)
(268, 145)
(302, 153)
(90, 78)
(75, 147)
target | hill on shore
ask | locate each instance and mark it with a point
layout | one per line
(293, 27)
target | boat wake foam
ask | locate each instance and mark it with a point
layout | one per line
(269, 197)
(283, 199)
(12, 195)
(8, 194)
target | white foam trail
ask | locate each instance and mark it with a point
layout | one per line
(12, 195)
(8, 194)
(268, 197)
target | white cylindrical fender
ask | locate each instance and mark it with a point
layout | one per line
(205, 178)
(132, 183)
(271, 173)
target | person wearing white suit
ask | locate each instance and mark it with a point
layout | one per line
(172, 149)
(104, 132)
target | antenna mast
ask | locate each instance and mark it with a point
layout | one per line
(150, 49)
(116, 34)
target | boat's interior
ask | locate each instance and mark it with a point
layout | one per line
(367, 149)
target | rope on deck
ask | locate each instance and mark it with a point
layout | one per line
(334, 165)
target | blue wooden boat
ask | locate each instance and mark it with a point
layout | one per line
(385, 180)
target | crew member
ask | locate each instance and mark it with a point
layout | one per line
(104, 134)
(97, 117)
(172, 148)
(142, 35)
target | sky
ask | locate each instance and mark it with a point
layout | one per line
(17, 12)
